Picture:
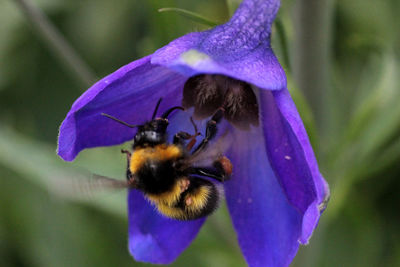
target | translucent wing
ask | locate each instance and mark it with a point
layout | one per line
(213, 151)
(84, 185)
(103, 182)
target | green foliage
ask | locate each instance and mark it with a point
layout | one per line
(42, 223)
(190, 15)
(232, 5)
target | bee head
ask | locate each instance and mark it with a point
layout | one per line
(152, 132)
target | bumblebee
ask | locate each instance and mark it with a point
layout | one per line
(168, 174)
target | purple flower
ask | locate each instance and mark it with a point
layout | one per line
(276, 192)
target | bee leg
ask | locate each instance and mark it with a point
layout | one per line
(221, 171)
(181, 137)
(211, 130)
(224, 165)
(217, 174)
(128, 155)
(128, 159)
(192, 142)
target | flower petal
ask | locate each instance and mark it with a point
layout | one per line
(129, 94)
(154, 238)
(291, 157)
(267, 225)
(239, 48)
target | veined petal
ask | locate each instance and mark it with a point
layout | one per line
(129, 94)
(267, 225)
(292, 158)
(239, 48)
(154, 238)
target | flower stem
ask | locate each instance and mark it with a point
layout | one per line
(57, 43)
(312, 24)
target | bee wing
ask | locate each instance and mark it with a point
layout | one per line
(85, 185)
(213, 151)
(104, 182)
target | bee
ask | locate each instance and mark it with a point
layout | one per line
(169, 174)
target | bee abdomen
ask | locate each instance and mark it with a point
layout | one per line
(191, 198)
(200, 199)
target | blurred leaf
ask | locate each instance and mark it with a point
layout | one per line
(384, 122)
(384, 159)
(304, 111)
(382, 113)
(283, 41)
(190, 15)
(40, 164)
(375, 121)
(232, 5)
(371, 112)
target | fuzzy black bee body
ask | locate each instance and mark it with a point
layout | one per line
(166, 172)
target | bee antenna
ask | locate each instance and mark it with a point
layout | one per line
(117, 120)
(155, 110)
(194, 125)
(166, 113)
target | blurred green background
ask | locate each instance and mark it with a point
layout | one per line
(342, 61)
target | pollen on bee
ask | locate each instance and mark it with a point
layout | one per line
(184, 184)
(197, 199)
(226, 165)
(188, 201)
